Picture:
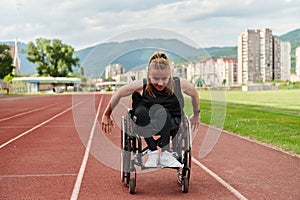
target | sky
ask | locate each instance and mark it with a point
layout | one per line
(201, 23)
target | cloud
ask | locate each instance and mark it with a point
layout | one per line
(82, 23)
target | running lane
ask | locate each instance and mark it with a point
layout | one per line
(48, 161)
(43, 163)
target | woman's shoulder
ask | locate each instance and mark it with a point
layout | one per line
(184, 83)
(134, 86)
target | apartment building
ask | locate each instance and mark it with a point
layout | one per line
(277, 73)
(248, 60)
(266, 55)
(285, 61)
(262, 57)
(249, 57)
(211, 72)
(227, 69)
(13, 51)
(136, 74)
(298, 61)
(113, 70)
(208, 72)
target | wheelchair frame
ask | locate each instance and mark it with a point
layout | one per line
(132, 153)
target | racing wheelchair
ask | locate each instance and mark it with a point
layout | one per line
(132, 152)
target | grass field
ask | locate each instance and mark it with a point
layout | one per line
(272, 117)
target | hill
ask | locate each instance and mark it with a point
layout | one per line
(132, 54)
(135, 53)
(291, 36)
(219, 52)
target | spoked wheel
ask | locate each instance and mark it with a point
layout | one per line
(186, 172)
(132, 184)
(185, 153)
(185, 185)
(125, 154)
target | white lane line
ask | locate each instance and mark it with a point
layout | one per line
(24, 113)
(34, 175)
(39, 125)
(78, 182)
(220, 180)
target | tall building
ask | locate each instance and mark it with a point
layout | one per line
(17, 61)
(266, 55)
(13, 51)
(260, 57)
(277, 73)
(249, 57)
(298, 61)
(285, 61)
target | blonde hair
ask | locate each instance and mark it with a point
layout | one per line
(159, 60)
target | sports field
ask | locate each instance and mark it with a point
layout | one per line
(52, 147)
(272, 117)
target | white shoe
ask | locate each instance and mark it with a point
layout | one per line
(152, 159)
(167, 159)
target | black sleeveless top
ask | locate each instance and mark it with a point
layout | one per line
(173, 103)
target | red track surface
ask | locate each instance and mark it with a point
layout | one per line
(45, 162)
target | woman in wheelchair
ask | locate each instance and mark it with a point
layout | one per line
(157, 108)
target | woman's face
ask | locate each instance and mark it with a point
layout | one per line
(159, 78)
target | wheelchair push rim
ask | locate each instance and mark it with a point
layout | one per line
(186, 150)
(125, 154)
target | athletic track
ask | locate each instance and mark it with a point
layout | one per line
(52, 147)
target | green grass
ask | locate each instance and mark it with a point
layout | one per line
(272, 117)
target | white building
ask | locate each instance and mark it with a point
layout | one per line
(136, 74)
(298, 61)
(262, 57)
(249, 57)
(227, 70)
(277, 58)
(113, 70)
(266, 55)
(285, 64)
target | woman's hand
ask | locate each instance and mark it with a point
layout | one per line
(107, 123)
(195, 121)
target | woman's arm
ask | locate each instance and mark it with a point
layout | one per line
(130, 88)
(190, 90)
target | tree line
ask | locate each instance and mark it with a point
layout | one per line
(51, 57)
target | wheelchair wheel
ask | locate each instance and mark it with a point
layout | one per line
(185, 149)
(132, 184)
(185, 185)
(125, 153)
(186, 172)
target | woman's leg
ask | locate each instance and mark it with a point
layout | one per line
(143, 120)
(153, 121)
(165, 133)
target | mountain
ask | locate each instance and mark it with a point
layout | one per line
(218, 52)
(291, 36)
(133, 54)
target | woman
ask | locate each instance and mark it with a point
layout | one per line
(157, 106)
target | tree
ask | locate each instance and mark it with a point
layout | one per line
(8, 78)
(224, 82)
(6, 61)
(53, 58)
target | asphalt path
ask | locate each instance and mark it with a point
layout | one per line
(52, 147)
